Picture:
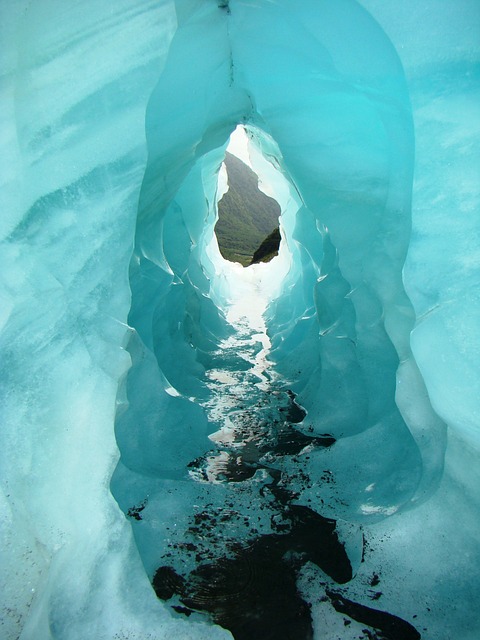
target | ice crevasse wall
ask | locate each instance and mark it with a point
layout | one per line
(114, 120)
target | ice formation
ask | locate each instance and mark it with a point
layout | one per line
(121, 324)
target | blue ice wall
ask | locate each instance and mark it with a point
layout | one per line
(114, 125)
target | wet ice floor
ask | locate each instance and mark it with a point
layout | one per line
(253, 412)
(242, 555)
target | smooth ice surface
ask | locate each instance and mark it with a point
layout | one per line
(120, 321)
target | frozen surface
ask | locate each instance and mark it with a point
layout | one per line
(134, 359)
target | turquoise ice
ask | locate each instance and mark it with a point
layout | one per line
(116, 306)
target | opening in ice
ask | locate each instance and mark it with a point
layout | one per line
(247, 229)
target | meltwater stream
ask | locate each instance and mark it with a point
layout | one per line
(241, 554)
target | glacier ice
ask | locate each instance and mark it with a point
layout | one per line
(121, 323)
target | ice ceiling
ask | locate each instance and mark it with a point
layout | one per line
(126, 339)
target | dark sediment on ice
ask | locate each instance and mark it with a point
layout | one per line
(251, 589)
(389, 626)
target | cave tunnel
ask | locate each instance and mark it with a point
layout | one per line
(336, 316)
(202, 450)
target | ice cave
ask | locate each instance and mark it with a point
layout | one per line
(192, 449)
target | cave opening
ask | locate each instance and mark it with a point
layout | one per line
(247, 228)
